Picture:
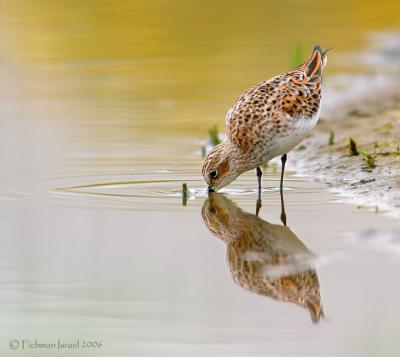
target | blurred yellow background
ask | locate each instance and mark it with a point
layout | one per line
(168, 66)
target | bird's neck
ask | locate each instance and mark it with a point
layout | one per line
(241, 160)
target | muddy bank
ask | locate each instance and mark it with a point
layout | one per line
(371, 178)
(363, 105)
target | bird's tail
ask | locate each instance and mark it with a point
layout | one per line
(316, 64)
(315, 308)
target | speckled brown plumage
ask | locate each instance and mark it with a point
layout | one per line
(272, 108)
(268, 120)
(265, 258)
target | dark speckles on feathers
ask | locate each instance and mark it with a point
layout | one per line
(272, 107)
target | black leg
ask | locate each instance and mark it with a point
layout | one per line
(258, 205)
(259, 174)
(283, 212)
(283, 160)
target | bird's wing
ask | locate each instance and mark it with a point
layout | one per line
(269, 105)
(299, 95)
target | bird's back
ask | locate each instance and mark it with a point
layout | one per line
(274, 109)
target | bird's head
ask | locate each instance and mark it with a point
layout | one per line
(221, 166)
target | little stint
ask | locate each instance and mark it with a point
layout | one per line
(268, 120)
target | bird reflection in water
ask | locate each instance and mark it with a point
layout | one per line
(267, 259)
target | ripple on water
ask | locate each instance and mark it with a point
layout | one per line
(165, 189)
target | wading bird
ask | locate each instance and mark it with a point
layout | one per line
(268, 120)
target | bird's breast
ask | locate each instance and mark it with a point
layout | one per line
(288, 138)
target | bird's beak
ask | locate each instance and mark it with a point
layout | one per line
(210, 189)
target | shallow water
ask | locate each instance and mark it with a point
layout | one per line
(102, 122)
(112, 255)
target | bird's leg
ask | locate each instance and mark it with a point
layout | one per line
(283, 212)
(283, 160)
(259, 174)
(258, 205)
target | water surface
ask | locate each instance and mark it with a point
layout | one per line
(103, 109)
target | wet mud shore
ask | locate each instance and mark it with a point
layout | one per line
(371, 178)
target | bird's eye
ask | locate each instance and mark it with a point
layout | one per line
(213, 174)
